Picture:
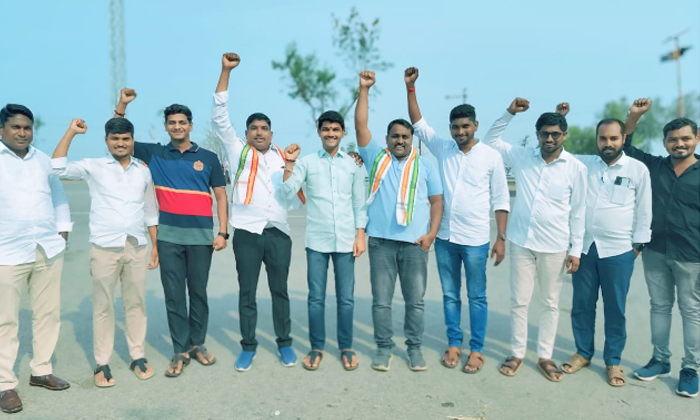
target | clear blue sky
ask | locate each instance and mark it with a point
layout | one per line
(55, 59)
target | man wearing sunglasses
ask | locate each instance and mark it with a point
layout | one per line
(545, 229)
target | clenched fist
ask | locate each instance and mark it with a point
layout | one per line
(518, 105)
(563, 108)
(640, 106)
(410, 76)
(367, 79)
(77, 126)
(291, 153)
(127, 95)
(230, 61)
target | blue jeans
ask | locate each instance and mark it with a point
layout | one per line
(611, 276)
(317, 276)
(387, 259)
(450, 258)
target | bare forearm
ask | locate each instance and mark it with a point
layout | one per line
(288, 170)
(120, 110)
(222, 86)
(501, 221)
(362, 117)
(631, 123)
(435, 216)
(153, 233)
(413, 108)
(63, 145)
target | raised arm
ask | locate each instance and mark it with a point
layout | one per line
(563, 108)
(59, 166)
(294, 172)
(125, 97)
(493, 136)
(364, 136)
(410, 76)
(639, 107)
(219, 114)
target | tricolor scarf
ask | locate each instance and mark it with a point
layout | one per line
(407, 188)
(247, 150)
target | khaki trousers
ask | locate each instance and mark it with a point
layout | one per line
(108, 266)
(43, 278)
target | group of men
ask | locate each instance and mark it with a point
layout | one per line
(588, 215)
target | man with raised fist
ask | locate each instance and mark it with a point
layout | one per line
(185, 175)
(545, 229)
(34, 226)
(404, 211)
(336, 215)
(122, 207)
(260, 227)
(474, 182)
(672, 258)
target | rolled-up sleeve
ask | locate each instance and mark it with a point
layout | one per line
(291, 186)
(500, 194)
(74, 171)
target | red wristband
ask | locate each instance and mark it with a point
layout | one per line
(411, 89)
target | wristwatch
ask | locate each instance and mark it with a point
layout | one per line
(225, 235)
(502, 236)
(639, 247)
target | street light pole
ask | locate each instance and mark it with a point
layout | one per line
(676, 55)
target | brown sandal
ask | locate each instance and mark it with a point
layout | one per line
(576, 363)
(470, 363)
(451, 350)
(615, 372)
(549, 369)
(513, 363)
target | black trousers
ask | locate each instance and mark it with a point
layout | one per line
(184, 270)
(274, 248)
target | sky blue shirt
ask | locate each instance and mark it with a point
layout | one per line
(382, 212)
(336, 199)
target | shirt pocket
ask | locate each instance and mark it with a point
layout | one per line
(621, 195)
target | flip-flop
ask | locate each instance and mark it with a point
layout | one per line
(513, 363)
(141, 365)
(478, 356)
(107, 372)
(313, 354)
(174, 363)
(205, 354)
(447, 353)
(348, 354)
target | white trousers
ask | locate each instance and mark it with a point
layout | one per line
(526, 268)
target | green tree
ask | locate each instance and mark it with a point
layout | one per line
(315, 84)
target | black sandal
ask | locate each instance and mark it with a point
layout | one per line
(141, 364)
(107, 372)
(348, 354)
(205, 354)
(174, 364)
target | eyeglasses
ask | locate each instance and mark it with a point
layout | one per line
(544, 135)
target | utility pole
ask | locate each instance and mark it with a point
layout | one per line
(676, 55)
(463, 96)
(117, 56)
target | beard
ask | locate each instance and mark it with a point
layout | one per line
(609, 157)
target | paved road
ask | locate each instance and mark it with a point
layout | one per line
(269, 390)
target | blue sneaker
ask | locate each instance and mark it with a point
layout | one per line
(244, 361)
(688, 383)
(654, 369)
(289, 358)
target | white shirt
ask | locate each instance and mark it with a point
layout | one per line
(550, 203)
(33, 207)
(268, 206)
(122, 201)
(618, 213)
(473, 183)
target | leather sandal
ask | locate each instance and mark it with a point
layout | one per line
(615, 372)
(513, 363)
(477, 356)
(576, 363)
(549, 369)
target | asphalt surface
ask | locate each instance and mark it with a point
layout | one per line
(270, 390)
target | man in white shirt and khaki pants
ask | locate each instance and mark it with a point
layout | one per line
(618, 224)
(33, 210)
(122, 205)
(545, 229)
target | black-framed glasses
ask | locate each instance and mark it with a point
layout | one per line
(544, 135)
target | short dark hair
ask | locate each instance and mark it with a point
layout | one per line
(463, 111)
(606, 121)
(10, 110)
(399, 121)
(119, 126)
(258, 116)
(679, 123)
(332, 117)
(551, 118)
(177, 109)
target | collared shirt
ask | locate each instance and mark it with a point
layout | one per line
(33, 207)
(675, 228)
(122, 201)
(382, 212)
(473, 183)
(550, 201)
(267, 207)
(618, 205)
(336, 200)
(183, 182)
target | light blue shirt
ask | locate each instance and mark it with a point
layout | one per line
(336, 199)
(382, 212)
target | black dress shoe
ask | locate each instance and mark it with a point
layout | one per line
(54, 383)
(10, 402)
